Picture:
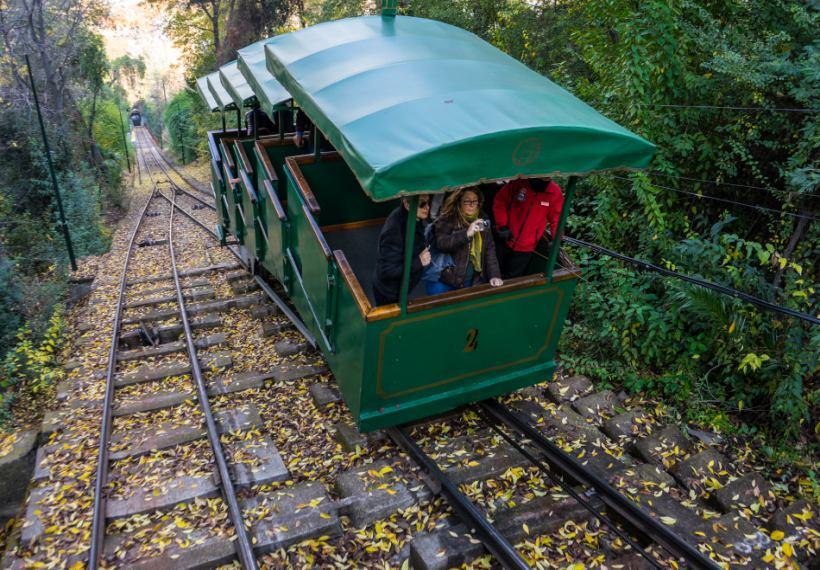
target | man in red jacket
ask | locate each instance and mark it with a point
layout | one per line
(522, 209)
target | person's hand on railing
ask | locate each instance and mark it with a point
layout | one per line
(496, 282)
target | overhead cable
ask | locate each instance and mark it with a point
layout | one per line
(722, 289)
(725, 200)
(718, 183)
(731, 108)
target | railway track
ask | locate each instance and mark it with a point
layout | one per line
(170, 314)
(649, 538)
(557, 474)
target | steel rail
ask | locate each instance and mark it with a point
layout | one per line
(624, 507)
(277, 300)
(174, 168)
(244, 547)
(98, 516)
(493, 540)
(568, 489)
(157, 158)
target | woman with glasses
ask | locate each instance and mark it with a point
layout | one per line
(390, 254)
(463, 231)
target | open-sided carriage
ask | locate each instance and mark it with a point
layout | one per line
(411, 106)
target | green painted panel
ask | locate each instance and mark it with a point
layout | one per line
(311, 265)
(339, 194)
(431, 361)
(348, 361)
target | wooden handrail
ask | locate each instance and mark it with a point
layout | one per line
(301, 182)
(485, 290)
(274, 199)
(353, 225)
(362, 302)
(274, 140)
(231, 181)
(249, 189)
(263, 157)
(227, 153)
(317, 232)
(243, 157)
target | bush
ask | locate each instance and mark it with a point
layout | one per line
(31, 366)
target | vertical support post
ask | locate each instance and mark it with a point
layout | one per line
(224, 128)
(317, 144)
(57, 196)
(389, 8)
(409, 235)
(559, 231)
(281, 123)
(255, 116)
(124, 141)
(238, 121)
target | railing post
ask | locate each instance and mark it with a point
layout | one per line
(317, 144)
(281, 122)
(559, 231)
(409, 235)
(389, 8)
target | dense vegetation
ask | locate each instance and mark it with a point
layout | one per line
(710, 84)
(82, 105)
(728, 91)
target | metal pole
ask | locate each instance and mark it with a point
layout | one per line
(409, 235)
(63, 223)
(238, 121)
(124, 141)
(317, 146)
(223, 120)
(562, 221)
(281, 124)
(255, 116)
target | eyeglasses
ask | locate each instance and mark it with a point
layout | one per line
(424, 203)
(469, 202)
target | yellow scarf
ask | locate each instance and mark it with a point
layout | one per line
(476, 242)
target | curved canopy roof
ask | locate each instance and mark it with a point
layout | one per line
(205, 93)
(234, 83)
(219, 93)
(415, 105)
(269, 92)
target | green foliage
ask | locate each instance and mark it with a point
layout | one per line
(178, 119)
(30, 365)
(710, 353)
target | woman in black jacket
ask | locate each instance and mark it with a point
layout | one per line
(463, 232)
(390, 255)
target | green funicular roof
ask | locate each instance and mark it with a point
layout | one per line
(205, 93)
(268, 91)
(236, 86)
(417, 105)
(220, 94)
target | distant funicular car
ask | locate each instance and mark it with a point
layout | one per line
(411, 106)
(135, 117)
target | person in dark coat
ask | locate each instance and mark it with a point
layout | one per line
(463, 231)
(261, 119)
(390, 254)
(522, 211)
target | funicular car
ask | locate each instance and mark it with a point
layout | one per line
(416, 106)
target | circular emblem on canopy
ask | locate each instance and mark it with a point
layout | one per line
(526, 151)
